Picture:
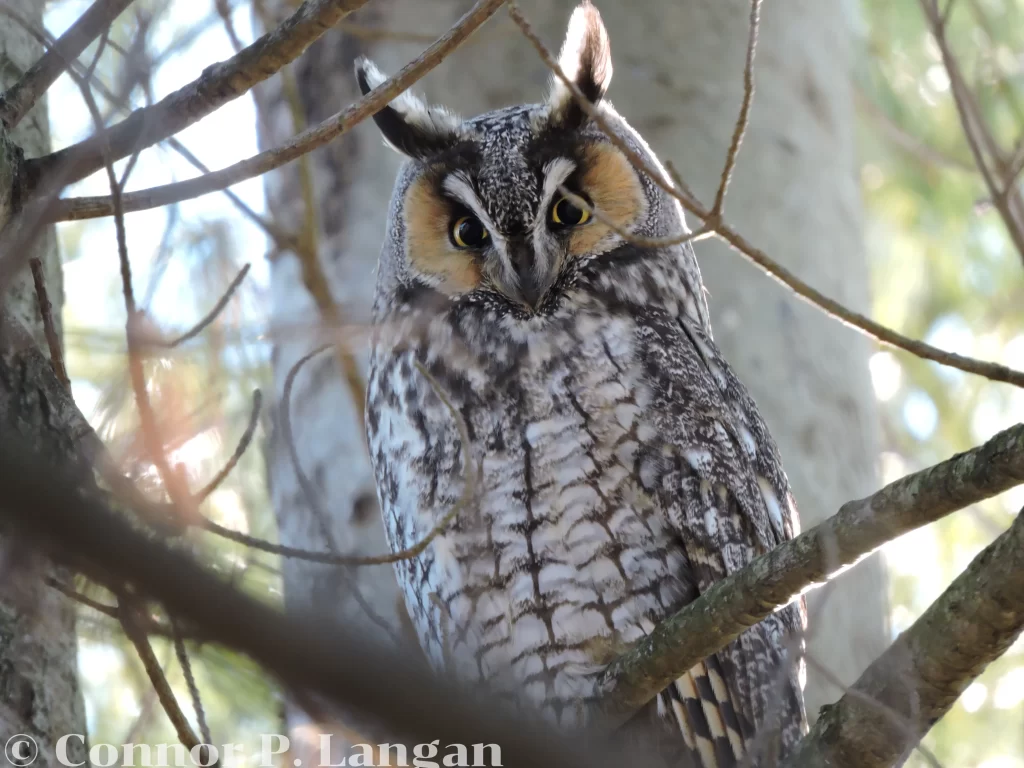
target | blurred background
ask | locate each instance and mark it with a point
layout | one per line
(939, 266)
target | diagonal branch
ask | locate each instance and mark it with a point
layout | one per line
(217, 85)
(307, 141)
(738, 602)
(915, 682)
(41, 502)
(23, 95)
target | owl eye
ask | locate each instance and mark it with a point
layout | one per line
(564, 214)
(468, 232)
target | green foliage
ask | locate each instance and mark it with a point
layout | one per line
(945, 270)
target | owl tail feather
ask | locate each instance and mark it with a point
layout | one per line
(700, 705)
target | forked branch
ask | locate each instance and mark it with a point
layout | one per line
(22, 96)
(915, 682)
(217, 85)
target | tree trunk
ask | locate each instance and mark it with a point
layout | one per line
(39, 694)
(678, 79)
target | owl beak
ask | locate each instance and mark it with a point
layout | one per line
(535, 276)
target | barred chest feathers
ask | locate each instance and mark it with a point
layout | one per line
(561, 559)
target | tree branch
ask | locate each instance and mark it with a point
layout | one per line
(22, 96)
(773, 580)
(41, 502)
(915, 682)
(310, 139)
(217, 85)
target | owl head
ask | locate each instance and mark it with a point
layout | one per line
(479, 208)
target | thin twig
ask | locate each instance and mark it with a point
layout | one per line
(135, 632)
(49, 327)
(307, 141)
(240, 449)
(190, 681)
(334, 558)
(906, 141)
(23, 95)
(320, 515)
(212, 315)
(78, 597)
(149, 426)
(975, 129)
(718, 208)
(216, 86)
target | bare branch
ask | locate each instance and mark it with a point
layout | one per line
(240, 449)
(21, 97)
(212, 315)
(190, 680)
(867, 326)
(773, 580)
(923, 673)
(133, 629)
(976, 131)
(49, 327)
(307, 141)
(217, 85)
(744, 117)
(307, 652)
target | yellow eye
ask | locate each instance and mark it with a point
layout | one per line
(468, 232)
(564, 214)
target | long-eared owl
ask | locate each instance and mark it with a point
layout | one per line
(542, 370)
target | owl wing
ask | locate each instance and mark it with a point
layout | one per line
(725, 493)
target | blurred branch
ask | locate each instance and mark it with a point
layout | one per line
(149, 425)
(240, 449)
(135, 632)
(190, 680)
(1003, 191)
(923, 673)
(22, 96)
(313, 277)
(212, 315)
(714, 225)
(903, 139)
(305, 652)
(217, 85)
(773, 580)
(307, 141)
(49, 326)
(323, 519)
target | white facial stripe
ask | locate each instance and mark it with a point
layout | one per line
(555, 174)
(457, 185)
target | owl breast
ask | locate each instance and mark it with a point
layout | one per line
(561, 559)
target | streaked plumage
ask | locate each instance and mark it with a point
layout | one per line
(617, 465)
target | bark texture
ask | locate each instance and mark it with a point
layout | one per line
(678, 79)
(39, 693)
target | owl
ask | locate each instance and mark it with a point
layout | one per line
(544, 383)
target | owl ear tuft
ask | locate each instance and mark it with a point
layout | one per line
(586, 59)
(409, 125)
